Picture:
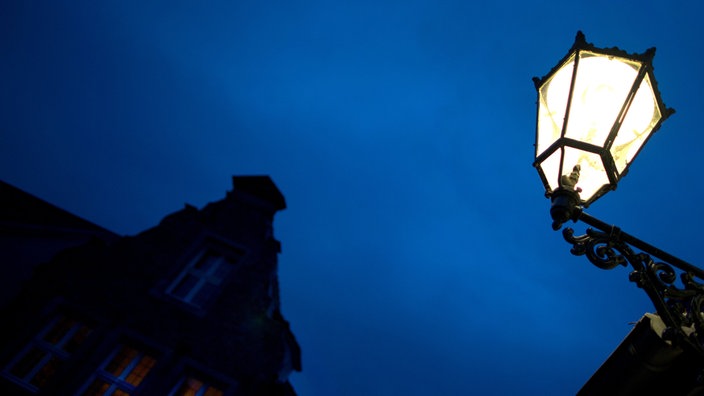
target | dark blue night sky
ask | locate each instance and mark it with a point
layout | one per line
(418, 257)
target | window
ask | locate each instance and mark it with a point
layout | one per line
(38, 362)
(121, 373)
(191, 386)
(201, 279)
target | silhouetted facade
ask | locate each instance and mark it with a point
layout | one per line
(32, 231)
(188, 307)
(645, 363)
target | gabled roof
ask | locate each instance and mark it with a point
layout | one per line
(19, 209)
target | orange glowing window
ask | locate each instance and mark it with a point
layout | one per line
(40, 359)
(191, 386)
(121, 374)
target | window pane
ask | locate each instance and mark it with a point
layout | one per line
(195, 387)
(97, 388)
(204, 294)
(29, 361)
(47, 370)
(222, 270)
(121, 360)
(184, 286)
(140, 370)
(77, 339)
(189, 387)
(206, 262)
(212, 391)
(58, 330)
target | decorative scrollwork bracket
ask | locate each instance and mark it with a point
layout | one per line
(654, 271)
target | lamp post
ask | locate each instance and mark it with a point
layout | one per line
(596, 110)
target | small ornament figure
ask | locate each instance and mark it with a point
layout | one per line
(569, 182)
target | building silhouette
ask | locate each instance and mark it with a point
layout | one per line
(647, 363)
(188, 307)
(32, 231)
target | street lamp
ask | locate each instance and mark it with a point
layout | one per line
(596, 110)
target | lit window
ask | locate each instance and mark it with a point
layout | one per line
(191, 386)
(201, 279)
(121, 373)
(39, 361)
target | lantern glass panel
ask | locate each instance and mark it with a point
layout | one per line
(592, 177)
(637, 126)
(550, 167)
(600, 90)
(552, 105)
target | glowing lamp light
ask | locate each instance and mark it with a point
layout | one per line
(596, 110)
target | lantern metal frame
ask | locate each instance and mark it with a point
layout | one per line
(613, 174)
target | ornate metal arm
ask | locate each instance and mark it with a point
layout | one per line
(654, 271)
